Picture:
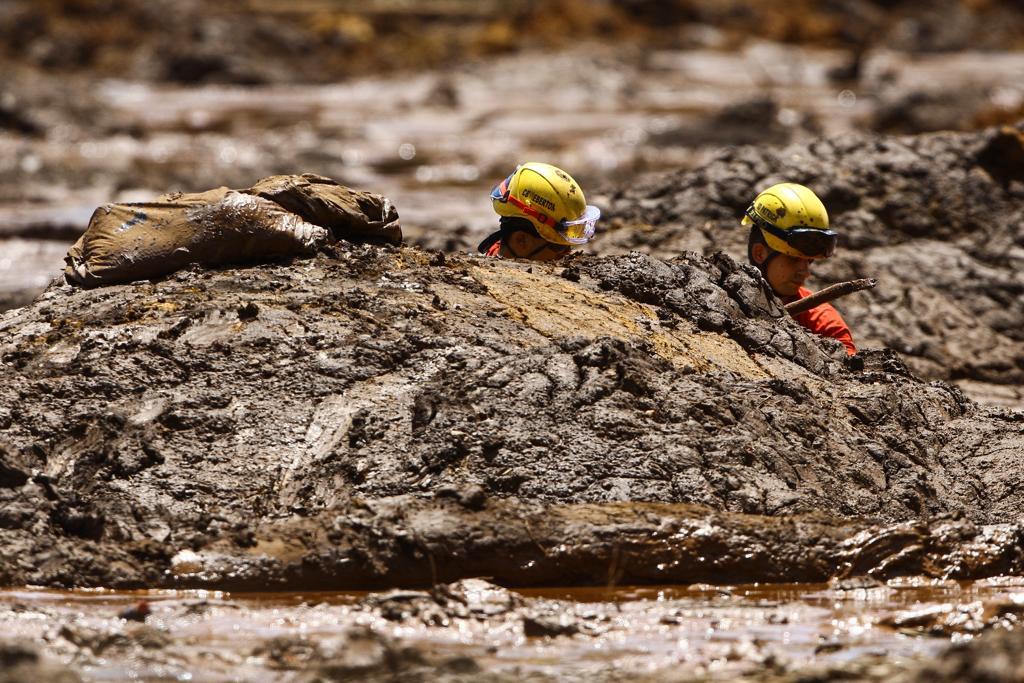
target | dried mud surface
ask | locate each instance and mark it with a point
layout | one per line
(379, 417)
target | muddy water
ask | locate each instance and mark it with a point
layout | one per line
(718, 631)
(435, 143)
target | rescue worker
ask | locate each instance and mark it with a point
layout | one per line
(788, 230)
(543, 214)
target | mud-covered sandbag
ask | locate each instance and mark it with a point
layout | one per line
(351, 215)
(126, 242)
(278, 217)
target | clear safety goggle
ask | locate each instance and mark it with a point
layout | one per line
(580, 230)
(577, 231)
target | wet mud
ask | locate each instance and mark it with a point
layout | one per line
(936, 218)
(258, 415)
(474, 630)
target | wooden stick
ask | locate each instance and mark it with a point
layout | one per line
(828, 294)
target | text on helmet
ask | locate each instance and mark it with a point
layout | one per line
(538, 199)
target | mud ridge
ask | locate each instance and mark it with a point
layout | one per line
(406, 542)
(228, 406)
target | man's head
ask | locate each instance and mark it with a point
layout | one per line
(786, 274)
(543, 212)
(788, 230)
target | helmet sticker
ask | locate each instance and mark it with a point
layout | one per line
(563, 175)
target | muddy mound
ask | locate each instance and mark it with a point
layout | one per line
(937, 218)
(143, 420)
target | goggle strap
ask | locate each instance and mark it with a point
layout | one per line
(530, 211)
(776, 231)
(501, 190)
(762, 223)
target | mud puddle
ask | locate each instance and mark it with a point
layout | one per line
(720, 632)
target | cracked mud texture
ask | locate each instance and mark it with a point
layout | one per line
(275, 424)
(938, 219)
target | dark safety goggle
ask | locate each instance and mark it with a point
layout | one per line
(578, 231)
(811, 242)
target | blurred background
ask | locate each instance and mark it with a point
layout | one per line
(431, 102)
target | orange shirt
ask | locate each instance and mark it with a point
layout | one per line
(495, 249)
(826, 321)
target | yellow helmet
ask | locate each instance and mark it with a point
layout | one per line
(550, 199)
(793, 221)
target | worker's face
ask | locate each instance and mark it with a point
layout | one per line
(526, 245)
(786, 274)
